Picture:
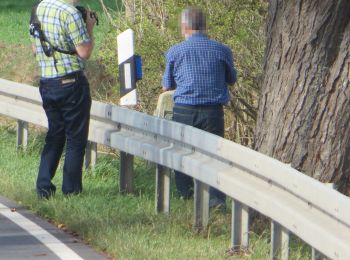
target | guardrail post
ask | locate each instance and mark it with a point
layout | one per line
(279, 242)
(90, 154)
(22, 134)
(240, 226)
(126, 173)
(162, 189)
(201, 205)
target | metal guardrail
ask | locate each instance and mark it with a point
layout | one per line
(295, 202)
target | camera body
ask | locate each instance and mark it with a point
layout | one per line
(84, 13)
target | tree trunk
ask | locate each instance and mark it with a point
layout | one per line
(304, 106)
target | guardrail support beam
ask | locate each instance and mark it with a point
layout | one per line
(22, 135)
(279, 242)
(240, 226)
(237, 171)
(201, 205)
(126, 173)
(316, 255)
(90, 155)
(162, 189)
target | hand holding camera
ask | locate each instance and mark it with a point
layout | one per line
(88, 15)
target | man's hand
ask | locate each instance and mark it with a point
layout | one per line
(168, 89)
(90, 21)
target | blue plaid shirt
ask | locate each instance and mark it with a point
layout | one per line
(200, 69)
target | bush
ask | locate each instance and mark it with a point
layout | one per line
(236, 23)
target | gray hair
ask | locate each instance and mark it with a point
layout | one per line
(194, 19)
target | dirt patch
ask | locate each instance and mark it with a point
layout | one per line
(8, 122)
(18, 64)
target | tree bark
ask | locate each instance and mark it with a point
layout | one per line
(304, 106)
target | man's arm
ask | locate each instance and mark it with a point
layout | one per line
(84, 50)
(231, 73)
(168, 81)
(33, 49)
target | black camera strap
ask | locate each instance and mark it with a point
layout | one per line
(36, 31)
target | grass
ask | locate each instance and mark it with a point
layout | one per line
(14, 19)
(124, 227)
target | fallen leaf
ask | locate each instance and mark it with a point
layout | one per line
(61, 226)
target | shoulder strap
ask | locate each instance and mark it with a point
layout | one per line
(35, 26)
(34, 22)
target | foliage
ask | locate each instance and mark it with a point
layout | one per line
(237, 24)
(125, 227)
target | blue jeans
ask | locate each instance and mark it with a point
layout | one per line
(67, 103)
(208, 118)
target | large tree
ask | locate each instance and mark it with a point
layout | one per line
(304, 107)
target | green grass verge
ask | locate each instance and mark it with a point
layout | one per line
(14, 19)
(125, 227)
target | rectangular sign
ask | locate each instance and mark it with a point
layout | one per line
(126, 61)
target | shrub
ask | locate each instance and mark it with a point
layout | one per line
(236, 23)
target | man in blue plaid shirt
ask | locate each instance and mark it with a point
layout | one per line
(66, 43)
(200, 70)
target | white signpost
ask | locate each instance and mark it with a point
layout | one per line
(127, 70)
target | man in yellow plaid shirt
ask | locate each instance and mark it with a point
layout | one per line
(64, 90)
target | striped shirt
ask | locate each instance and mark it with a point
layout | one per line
(200, 69)
(64, 27)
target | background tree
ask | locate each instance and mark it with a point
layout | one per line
(304, 107)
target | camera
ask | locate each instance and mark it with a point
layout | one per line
(84, 12)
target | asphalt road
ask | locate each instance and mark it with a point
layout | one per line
(25, 236)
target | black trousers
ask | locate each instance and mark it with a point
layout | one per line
(208, 118)
(67, 102)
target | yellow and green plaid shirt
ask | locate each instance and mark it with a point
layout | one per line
(64, 27)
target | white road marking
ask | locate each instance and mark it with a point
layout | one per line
(51, 242)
